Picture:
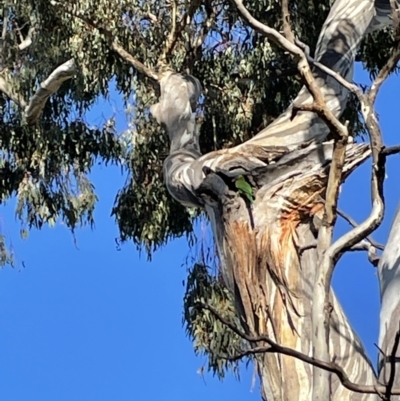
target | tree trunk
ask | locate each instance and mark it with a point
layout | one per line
(267, 248)
(269, 260)
(389, 280)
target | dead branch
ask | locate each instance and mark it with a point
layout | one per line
(273, 347)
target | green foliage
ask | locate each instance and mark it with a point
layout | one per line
(46, 166)
(211, 337)
(247, 83)
(143, 209)
(376, 49)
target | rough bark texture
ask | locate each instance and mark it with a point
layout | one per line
(273, 279)
(262, 244)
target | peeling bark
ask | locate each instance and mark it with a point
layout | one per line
(264, 247)
(389, 280)
(273, 280)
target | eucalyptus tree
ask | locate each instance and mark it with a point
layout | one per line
(261, 128)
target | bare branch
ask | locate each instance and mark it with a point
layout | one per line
(346, 84)
(25, 43)
(169, 44)
(139, 66)
(303, 66)
(353, 223)
(364, 245)
(271, 33)
(47, 88)
(273, 347)
(384, 73)
(286, 21)
(379, 159)
(321, 307)
(392, 150)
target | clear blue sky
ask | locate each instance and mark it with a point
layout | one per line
(96, 323)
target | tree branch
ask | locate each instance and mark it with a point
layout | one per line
(379, 159)
(139, 66)
(287, 29)
(273, 347)
(321, 308)
(37, 102)
(392, 150)
(169, 44)
(371, 251)
(27, 41)
(353, 223)
(7, 87)
(270, 33)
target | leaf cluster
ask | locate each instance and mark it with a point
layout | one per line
(247, 83)
(210, 337)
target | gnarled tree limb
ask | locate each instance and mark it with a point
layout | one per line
(37, 102)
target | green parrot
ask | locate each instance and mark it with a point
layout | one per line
(244, 188)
